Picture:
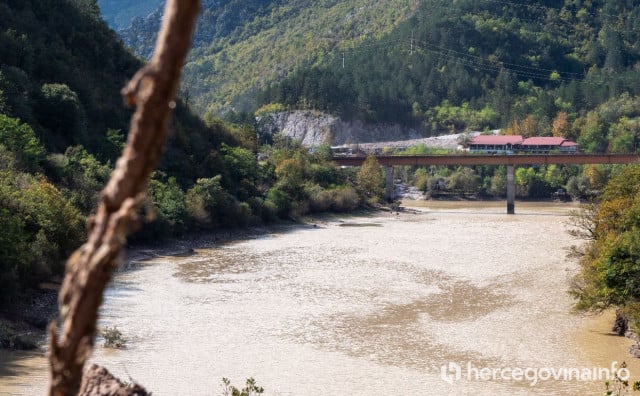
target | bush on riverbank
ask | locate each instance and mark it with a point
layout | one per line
(610, 263)
(250, 388)
(113, 338)
(533, 182)
(539, 182)
(40, 228)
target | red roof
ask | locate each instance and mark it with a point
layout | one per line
(544, 141)
(568, 143)
(496, 140)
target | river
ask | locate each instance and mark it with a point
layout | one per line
(362, 305)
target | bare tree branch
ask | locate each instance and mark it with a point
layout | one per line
(89, 269)
(582, 222)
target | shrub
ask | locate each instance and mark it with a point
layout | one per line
(421, 180)
(371, 180)
(270, 108)
(21, 140)
(319, 199)
(344, 199)
(250, 388)
(281, 200)
(113, 338)
(211, 205)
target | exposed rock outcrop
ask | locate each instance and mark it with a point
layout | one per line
(314, 128)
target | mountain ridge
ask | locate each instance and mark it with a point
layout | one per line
(434, 66)
(119, 14)
(267, 41)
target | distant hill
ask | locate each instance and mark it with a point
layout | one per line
(478, 64)
(120, 13)
(241, 46)
(435, 65)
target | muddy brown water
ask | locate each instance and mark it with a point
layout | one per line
(369, 305)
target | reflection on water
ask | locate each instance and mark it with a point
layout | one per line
(22, 373)
(373, 307)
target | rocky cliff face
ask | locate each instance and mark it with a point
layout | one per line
(314, 128)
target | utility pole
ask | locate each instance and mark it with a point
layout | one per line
(343, 60)
(412, 42)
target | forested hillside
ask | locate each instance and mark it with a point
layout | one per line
(63, 124)
(479, 64)
(241, 46)
(434, 65)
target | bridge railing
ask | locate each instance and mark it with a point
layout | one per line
(496, 159)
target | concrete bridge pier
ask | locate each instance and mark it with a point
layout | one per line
(511, 190)
(389, 189)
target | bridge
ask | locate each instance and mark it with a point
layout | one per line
(511, 161)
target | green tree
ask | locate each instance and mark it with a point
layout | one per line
(498, 183)
(20, 139)
(88, 7)
(169, 202)
(13, 245)
(624, 135)
(211, 206)
(370, 180)
(242, 172)
(60, 111)
(578, 187)
(40, 228)
(610, 265)
(82, 174)
(593, 138)
(465, 180)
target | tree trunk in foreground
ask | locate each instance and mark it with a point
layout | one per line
(88, 270)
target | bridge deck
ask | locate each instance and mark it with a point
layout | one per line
(526, 159)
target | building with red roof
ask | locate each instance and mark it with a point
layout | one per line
(569, 147)
(545, 144)
(495, 144)
(508, 144)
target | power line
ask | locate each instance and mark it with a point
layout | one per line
(480, 63)
(470, 60)
(501, 62)
(487, 66)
